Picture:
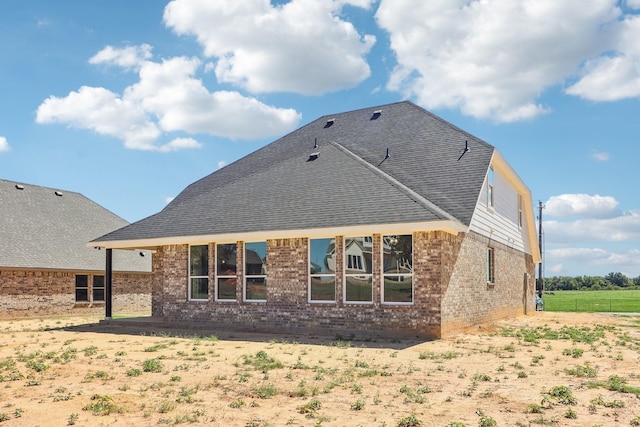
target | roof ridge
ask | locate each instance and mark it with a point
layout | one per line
(403, 188)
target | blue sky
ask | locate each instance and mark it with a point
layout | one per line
(129, 102)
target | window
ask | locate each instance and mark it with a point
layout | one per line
(199, 272)
(226, 272)
(490, 195)
(82, 288)
(358, 270)
(520, 210)
(397, 269)
(255, 271)
(490, 265)
(322, 270)
(98, 288)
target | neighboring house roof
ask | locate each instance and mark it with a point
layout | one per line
(350, 183)
(45, 228)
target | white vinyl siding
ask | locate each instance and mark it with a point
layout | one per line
(501, 222)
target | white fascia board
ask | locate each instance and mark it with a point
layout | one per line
(452, 227)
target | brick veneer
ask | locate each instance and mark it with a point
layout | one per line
(450, 290)
(45, 293)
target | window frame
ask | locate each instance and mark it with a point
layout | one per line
(362, 262)
(311, 275)
(520, 211)
(94, 287)
(491, 197)
(85, 288)
(219, 276)
(198, 277)
(404, 275)
(254, 276)
(491, 265)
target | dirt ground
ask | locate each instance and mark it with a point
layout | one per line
(544, 369)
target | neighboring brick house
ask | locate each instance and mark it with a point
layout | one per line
(384, 220)
(46, 267)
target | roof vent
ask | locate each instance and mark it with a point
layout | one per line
(58, 193)
(313, 156)
(19, 187)
(376, 114)
(329, 123)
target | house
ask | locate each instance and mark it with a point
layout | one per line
(383, 220)
(46, 267)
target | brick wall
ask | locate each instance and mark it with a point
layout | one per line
(47, 293)
(450, 290)
(467, 297)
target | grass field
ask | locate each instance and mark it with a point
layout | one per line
(620, 301)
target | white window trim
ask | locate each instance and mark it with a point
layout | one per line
(309, 276)
(520, 211)
(412, 275)
(216, 277)
(198, 277)
(491, 197)
(344, 275)
(247, 276)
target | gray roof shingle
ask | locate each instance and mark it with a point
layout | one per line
(350, 183)
(42, 230)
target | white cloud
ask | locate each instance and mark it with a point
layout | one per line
(600, 156)
(493, 58)
(222, 164)
(129, 58)
(4, 145)
(168, 200)
(625, 227)
(168, 97)
(616, 75)
(179, 144)
(633, 4)
(589, 261)
(585, 205)
(302, 46)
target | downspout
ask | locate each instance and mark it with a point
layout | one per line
(108, 283)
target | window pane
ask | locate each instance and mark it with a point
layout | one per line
(98, 294)
(322, 256)
(398, 254)
(199, 260)
(358, 251)
(256, 288)
(98, 281)
(226, 260)
(255, 258)
(398, 288)
(199, 288)
(82, 281)
(359, 288)
(82, 294)
(323, 288)
(227, 288)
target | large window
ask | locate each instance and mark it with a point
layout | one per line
(490, 265)
(322, 270)
(255, 271)
(490, 190)
(358, 270)
(199, 272)
(397, 269)
(226, 272)
(82, 288)
(98, 288)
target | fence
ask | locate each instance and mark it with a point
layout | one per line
(629, 305)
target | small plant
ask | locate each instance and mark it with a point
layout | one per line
(134, 372)
(152, 365)
(409, 421)
(4, 417)
(262, 361)
(90, 351)
(358, 405)
(562, 394)
(571, 414)
(522, 374)
(102, 405)
(582, 371)
(310, 407)
(73, 419)
(573, 352)
(486, 421)
(534, 408)
(456, 424)
(266, 391)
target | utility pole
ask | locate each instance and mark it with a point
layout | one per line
(540, 286)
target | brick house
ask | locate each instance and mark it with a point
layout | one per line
(46, 267)
(383, 220)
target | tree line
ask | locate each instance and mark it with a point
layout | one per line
(612, 281)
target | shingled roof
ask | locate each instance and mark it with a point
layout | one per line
(389, 164)
(45, 228)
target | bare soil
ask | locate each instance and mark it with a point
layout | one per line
(543, 369)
